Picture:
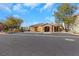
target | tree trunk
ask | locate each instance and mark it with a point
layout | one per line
(66, 28)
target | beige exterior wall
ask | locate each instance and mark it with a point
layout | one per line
(42, 28)
(75, 27)
(38, 29)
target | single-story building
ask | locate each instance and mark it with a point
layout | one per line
(46, 28)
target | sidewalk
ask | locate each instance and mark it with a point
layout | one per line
(74, 33)
(2, 33)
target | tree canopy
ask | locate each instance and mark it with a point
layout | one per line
(13, 22)
(64, 14)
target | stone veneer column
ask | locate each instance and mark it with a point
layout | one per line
(53, 28)
(50, 28)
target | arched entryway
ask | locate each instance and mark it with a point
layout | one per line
(46, 29)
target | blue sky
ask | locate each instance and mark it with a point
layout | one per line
(31, 13)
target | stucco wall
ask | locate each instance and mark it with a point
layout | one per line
(75, 27)
(40, 29)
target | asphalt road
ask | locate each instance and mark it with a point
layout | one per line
(39, 44)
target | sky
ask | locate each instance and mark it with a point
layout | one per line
(30, 13)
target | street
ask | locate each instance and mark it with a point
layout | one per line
(39, 44)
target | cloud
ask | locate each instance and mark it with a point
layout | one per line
(16, 16)
(77, 11)
(6, 7)
(50, 19)
(31, 5)
(19, 9)
(35, 22)
(47, 6)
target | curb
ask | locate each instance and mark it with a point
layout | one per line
(3, 33)
(74, 34)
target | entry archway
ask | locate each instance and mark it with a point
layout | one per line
(46, 29)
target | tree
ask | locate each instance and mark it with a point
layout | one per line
(58, 17)
(1, 26)
(18, 22)
(13, 22)
(64, 14)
